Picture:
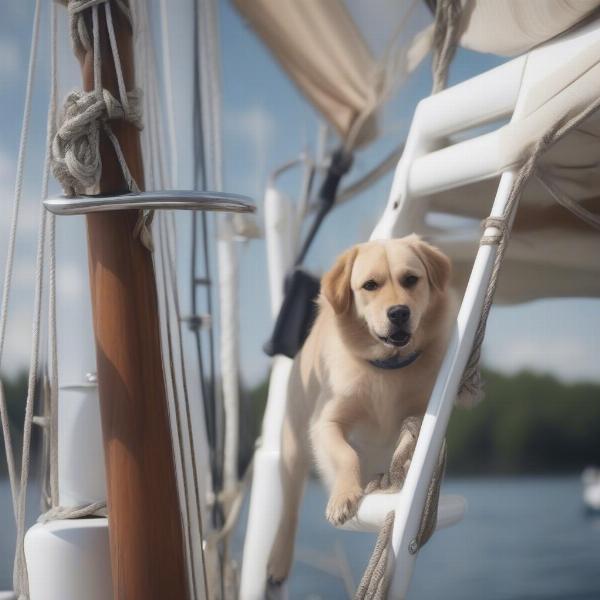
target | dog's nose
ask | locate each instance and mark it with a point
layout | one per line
(398, 314)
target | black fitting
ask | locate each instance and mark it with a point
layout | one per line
(341, 162)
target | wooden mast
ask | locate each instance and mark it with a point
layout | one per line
(145, 526)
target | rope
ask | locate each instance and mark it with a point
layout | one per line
(174, 341)
(377, 575)
(20, 577)
(470, 390)
(10, 254)
(162, 177)
(446, 34)
(76, 147)
(96, 509)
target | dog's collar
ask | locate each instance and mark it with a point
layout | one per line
(396, 362)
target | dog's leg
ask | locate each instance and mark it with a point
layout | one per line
(295, 462)
(338, 462)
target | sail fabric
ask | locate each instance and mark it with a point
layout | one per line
(345, 56)
(322, 49)
(552, 252)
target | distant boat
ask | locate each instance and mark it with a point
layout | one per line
(591, 488)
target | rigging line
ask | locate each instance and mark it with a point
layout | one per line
(52, 332)
(168, 278)
(362, 184)
(10, 255)
(227, 409)
(20, 579)
(116, 58)
(209, 395)
(166, 54)
(211, 337)
(172, 271)
(176, 410)
(226, 251)
(158, 160)
(153, 144)
(200, 74)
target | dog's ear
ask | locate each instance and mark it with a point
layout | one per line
(335, 284)
(437, 264)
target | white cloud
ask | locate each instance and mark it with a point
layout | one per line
(255, 128)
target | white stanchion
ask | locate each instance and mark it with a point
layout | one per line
(69, 560)
(267, 496)
(81, 473)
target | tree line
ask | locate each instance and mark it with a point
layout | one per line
(528, 423)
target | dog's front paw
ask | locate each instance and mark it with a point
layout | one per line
(278, 569)
(343, 505)
(280, 562)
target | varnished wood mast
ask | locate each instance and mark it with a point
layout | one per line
(146, 534)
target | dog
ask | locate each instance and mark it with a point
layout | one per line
(385, 312)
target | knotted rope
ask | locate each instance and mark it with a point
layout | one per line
(376, 578)
(76, 161)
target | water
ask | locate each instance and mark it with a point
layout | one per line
(522, 539)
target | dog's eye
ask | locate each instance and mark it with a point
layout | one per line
(409, 281)
(370, 285)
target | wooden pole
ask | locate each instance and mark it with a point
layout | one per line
(146, 533)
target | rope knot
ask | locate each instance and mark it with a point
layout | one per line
(76, 159)
(493, 239)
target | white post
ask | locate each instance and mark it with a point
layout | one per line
(281, 230)
(229, 327)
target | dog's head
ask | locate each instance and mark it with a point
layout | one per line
(386, 290)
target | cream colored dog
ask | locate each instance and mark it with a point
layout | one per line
(369, 362)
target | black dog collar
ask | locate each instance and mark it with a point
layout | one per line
(396, 362)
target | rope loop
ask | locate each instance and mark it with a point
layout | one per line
(58, 513)
(80, 37)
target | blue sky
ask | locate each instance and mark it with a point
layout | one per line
(265, 122)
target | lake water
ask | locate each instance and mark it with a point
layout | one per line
(522, 539)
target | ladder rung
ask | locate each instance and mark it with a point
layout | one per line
(374, 508)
